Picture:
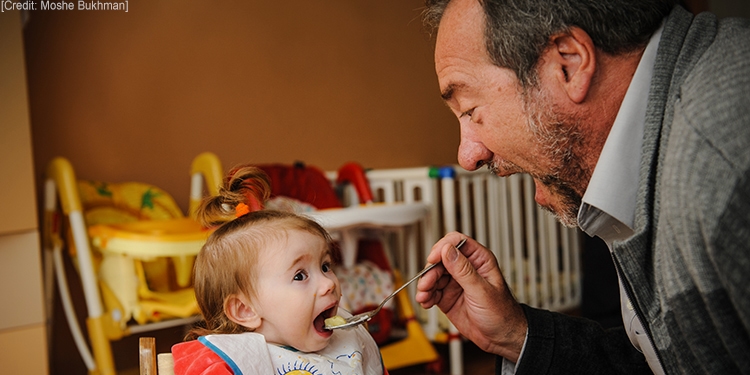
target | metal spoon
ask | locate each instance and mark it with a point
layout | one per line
(366, 316)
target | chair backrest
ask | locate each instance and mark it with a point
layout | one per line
(114, 203)
(302, 182)
(206, 167)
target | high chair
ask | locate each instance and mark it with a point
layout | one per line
(133, 250)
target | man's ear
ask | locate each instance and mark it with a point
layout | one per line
(240, 311)
(571, 56)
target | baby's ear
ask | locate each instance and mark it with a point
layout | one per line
(240, 311)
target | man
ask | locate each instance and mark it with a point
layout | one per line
(633, 118)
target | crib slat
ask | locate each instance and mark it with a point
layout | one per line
(503, 228)
(567, 287)
(554, 260)
(515, 229)
(479, 187)
(576, 280)
(544, 258)
(465, 206)
(532, 248)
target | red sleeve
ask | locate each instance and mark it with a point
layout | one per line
(194, 358)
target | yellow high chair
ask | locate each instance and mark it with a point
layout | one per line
(133, 250)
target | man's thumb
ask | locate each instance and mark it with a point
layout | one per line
(459, 267)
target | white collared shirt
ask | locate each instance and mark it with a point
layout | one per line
(613, 187)
(609, 203)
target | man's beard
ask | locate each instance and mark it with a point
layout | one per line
(560, 142)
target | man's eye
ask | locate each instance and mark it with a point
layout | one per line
(326, 267)
(300, 276)
(468, 113)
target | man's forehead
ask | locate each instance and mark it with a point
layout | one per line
(462, 18)
(460, 37)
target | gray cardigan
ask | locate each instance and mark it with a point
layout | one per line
(687, 268)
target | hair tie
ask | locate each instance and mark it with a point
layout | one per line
(241, 209)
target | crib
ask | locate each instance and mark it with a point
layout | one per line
(539, 257)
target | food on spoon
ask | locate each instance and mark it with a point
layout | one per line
(335, 321)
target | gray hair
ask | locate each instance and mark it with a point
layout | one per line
(518, 31)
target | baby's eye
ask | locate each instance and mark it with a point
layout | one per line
(326, 267)
(300, 276)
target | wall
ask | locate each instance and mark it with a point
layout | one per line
(136, 95)
(23, 332)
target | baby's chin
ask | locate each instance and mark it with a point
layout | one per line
(314, 347)
(311, 344)
(316, 338)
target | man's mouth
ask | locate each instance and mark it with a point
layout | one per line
(503, 168)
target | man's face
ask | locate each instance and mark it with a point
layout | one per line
(503, 127)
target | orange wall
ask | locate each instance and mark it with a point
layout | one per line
(135, 96)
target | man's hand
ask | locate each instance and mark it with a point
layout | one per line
(469, 288)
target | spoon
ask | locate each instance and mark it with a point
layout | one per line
(366, 316)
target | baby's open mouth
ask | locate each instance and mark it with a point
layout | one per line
(319, 321)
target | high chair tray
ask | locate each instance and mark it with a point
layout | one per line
(379, 214)
(176, 237)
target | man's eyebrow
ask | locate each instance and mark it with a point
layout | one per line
(447, 93)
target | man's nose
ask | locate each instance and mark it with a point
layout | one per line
(472, 154)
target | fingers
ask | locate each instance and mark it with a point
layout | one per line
(471, 265)
(430, 287)
(452, 238)
(460, 269)
(428, 299)
(428, 282)
(430, 278)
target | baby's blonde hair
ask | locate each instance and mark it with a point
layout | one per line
(225, 265)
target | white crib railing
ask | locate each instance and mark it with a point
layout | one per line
(538, 256)
(404, 185)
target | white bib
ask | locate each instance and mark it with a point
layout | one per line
(350, 351)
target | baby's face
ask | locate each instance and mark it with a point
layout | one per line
(296, 291)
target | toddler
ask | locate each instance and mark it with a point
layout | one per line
(264, 283)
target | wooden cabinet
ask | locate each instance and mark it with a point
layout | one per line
(23, 337)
